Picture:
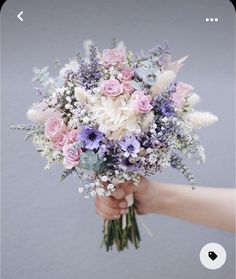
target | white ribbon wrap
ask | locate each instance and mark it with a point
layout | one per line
(130, 201)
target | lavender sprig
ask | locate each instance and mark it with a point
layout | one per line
(177, 163)
(90, 71)
(24, 127)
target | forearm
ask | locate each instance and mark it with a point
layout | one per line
(213, 207)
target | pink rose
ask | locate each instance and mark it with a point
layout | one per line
(126, 74)
(60, 141)
(72, 155)
(182, 90)
(73, 135)
(112, 87)
(54, 127)
(127, 87)
(141, 102)
(113, 56)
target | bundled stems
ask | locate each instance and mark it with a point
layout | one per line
(120, 232)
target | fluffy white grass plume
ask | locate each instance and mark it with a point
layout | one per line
(147, 120)
(194, 99)
(175, 66)
(41, 111)
(162, 82)
(202, 119)
(121, 45)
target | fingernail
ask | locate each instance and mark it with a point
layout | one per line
(123, 204)
(123, 211)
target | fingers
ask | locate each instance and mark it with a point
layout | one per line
(114, 206)
(110, 208)
(112, 202)
(124, 189)
(119, 193)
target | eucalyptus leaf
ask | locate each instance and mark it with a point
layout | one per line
(65, 174)
(149, 80)
(89, 161)
(44, 69)
(147, 63)
(152, 70)
(136, 85)
(141, 72)
(41, 75)
(49, 89)
(36, 70)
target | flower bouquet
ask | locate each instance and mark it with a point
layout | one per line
(113, 116)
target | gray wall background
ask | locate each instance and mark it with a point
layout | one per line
(48, 230)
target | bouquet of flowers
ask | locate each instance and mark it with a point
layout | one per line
(112, 117)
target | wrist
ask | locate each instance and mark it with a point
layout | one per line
(161, 199)
(153, 196)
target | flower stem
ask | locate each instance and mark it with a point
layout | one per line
(114, 234)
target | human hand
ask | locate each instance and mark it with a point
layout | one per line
(116, 205)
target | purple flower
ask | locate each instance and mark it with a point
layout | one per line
(39, 91)
(91, 137)
(167, 109)
(154, 140)
(102, 150)
(162, 59)
(134, 167)
(89, 72)
(130, 145)
(172, 87)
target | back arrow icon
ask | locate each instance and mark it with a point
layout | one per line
(19, 16)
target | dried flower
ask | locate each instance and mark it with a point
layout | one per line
(202, 119)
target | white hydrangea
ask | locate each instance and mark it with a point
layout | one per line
(114, 116)
(82, 96)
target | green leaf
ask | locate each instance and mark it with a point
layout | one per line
(141, 72)
(136, 85)
(149, 80)
(65, 174)
(89, 161)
